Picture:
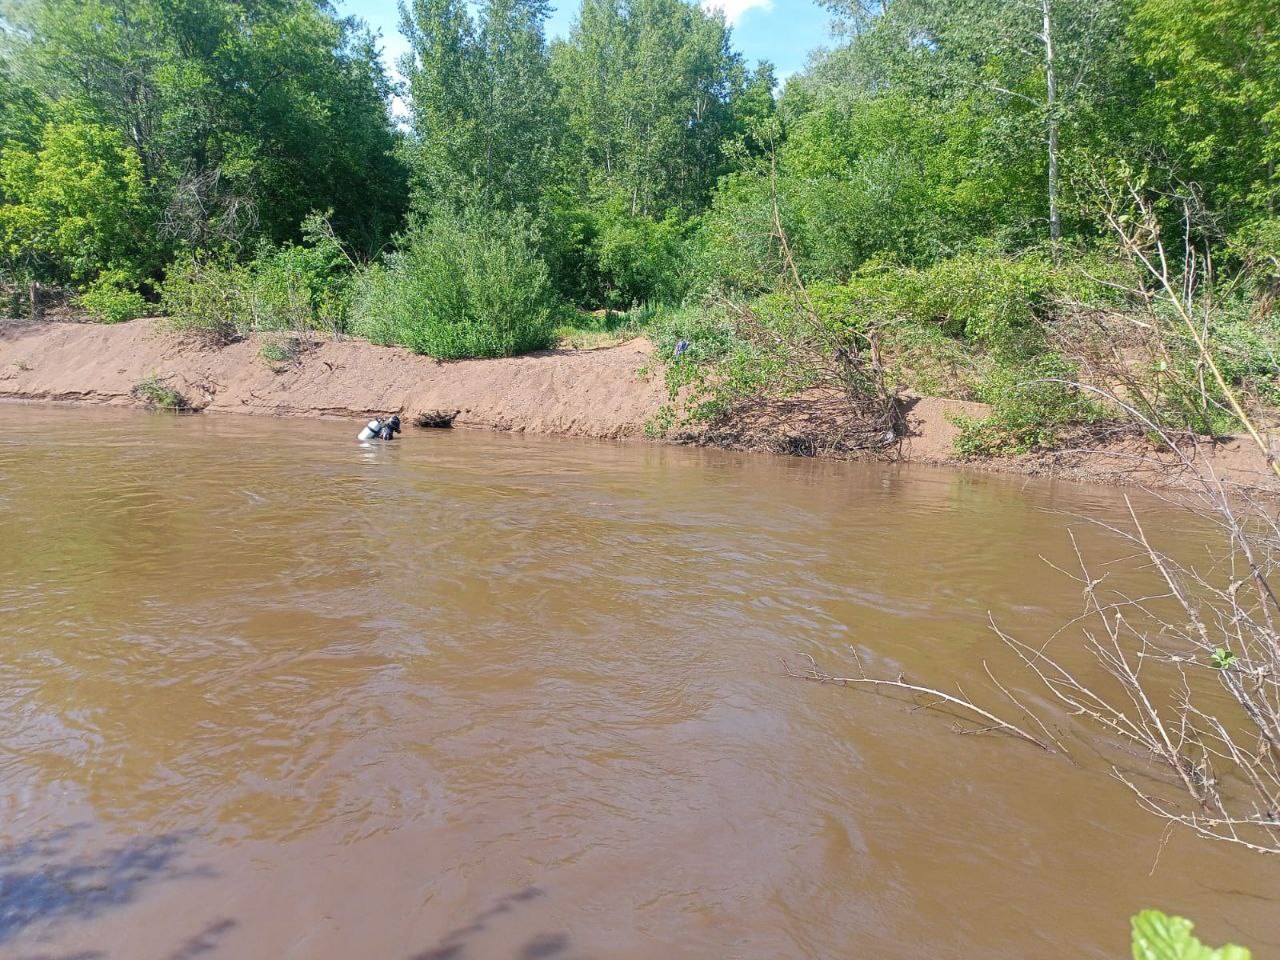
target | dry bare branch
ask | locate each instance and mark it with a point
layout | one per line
(818, 675)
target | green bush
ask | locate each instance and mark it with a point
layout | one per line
(568, 243)
(1175, 388)
(206, 299)
(718, 368)
(1247, 349)
(294, 287)
(639, 258)
(466, 283)
(989, 301)
(301, 287)
(112, 299)
(711, 333)
(1030, 403)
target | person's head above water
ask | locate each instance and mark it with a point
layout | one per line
(381, 429)
(389, 428)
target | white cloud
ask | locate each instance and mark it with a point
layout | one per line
(734, 9)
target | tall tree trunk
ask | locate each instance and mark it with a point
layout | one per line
(1051, 108)
(33, 299)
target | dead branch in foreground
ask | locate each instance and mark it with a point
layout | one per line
(818, 675)
(1192, 663)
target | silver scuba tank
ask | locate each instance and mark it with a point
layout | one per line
(371, 430)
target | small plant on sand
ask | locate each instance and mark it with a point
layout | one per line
(157, 395)
(279, 353)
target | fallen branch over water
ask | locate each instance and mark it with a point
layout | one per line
(818, 675)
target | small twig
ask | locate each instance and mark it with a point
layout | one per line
(1014, 700)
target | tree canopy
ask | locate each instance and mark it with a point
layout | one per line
(647, 162)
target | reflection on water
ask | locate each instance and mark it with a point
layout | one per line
(269, 693)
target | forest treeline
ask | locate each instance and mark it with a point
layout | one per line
(954, 189)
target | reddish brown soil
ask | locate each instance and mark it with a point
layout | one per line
(604, 393)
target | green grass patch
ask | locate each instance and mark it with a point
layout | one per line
(157, 395)
(279, 353)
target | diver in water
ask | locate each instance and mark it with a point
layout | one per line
(381, 429)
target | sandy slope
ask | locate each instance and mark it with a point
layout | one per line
(604, 393)
(595, 393)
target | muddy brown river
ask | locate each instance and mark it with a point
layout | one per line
(269, 693)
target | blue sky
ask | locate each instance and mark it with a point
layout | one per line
(783, 31)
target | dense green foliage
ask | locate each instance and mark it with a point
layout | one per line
(292, 287)
(462, 284)
(931, 191)
(71, 202)
(137, 130)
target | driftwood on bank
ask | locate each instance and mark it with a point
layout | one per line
(438, 419)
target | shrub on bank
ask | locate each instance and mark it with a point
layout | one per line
(302, 287)
(206, 299)
(1030, 403)
(296, 288)
(112, 299)
(980, 326)
(466, 283)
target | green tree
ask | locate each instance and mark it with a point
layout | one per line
(648, 90)
(1212, 96)
(1032, 72)
(481, 101)
(244, 114)
(70, 204)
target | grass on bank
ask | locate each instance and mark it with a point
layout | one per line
(158, 395)
(282, 352)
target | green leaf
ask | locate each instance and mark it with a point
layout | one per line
(1160, 937)
(1222, 658)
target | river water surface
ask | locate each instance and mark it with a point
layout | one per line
(266, 692)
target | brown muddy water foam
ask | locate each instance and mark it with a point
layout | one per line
(267, 692)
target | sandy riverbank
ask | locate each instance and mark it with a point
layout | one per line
(594, 393)
(605, 393)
